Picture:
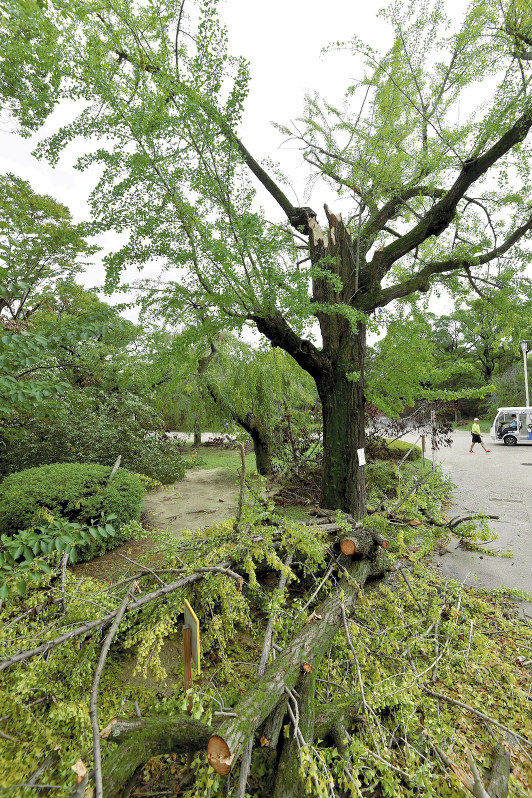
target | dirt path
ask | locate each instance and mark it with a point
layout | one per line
(200, 499)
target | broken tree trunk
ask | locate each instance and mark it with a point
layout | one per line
(141, 738)
(307, 648)
(500, 772)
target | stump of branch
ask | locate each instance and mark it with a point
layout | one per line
(357, 540)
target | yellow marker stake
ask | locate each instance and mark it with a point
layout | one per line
(192, 620)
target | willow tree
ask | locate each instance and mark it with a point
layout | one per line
(434, 185)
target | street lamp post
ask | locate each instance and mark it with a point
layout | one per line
(525, 350)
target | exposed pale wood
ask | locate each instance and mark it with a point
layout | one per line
(220, 756)
(379, 539)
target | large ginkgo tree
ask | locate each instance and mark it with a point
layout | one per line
(429, 155)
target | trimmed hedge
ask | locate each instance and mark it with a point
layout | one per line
(76, 491)
(398, 449)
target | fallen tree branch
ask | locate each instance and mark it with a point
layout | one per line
(142, 738)
(312, 641)
(50, 760)
(106, 620)
(472, 784)
(93, 705)
(498, 784)
(454, 522)
(266, 647)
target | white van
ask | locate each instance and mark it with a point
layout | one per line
(512, 425)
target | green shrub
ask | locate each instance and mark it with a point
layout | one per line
(94, 428)
(30, 553)
(398, 449)
(381, 476)
(75, 491)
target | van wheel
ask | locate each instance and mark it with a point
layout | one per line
(510, 440)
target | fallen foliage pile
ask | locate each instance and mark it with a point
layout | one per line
(413, 686)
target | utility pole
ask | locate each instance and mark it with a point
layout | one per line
(525, 349)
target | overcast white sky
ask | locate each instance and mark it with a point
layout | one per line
(283, 41)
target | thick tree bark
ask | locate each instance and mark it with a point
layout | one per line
(197, 434)
(500, 772)
(261, 445)
(140, 739)
(343, 478)
(289, 782)
(262, 452)
(340, 382)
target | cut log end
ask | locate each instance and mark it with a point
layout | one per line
(219, 755)
(348, 546)
(379, 539)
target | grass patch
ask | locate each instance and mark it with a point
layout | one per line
(207, 457)
(485, 425)
(399, 449)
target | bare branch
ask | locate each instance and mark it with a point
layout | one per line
(93, 706)
(421, 280)
(438, 218)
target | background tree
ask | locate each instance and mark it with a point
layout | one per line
(41, 250)
(265, 393)
(98, 401)
(39, 247)
(429, 197)
(406, 367)
(30, 61)
(508, 388)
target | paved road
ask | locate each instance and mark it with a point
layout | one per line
(499, 483)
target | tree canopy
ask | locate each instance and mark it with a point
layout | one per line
(433, 184)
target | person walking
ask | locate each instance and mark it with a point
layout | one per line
(476, 438)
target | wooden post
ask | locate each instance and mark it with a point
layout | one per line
(187, 654)
(433, 445)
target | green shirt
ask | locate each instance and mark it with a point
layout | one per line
(475, 429)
